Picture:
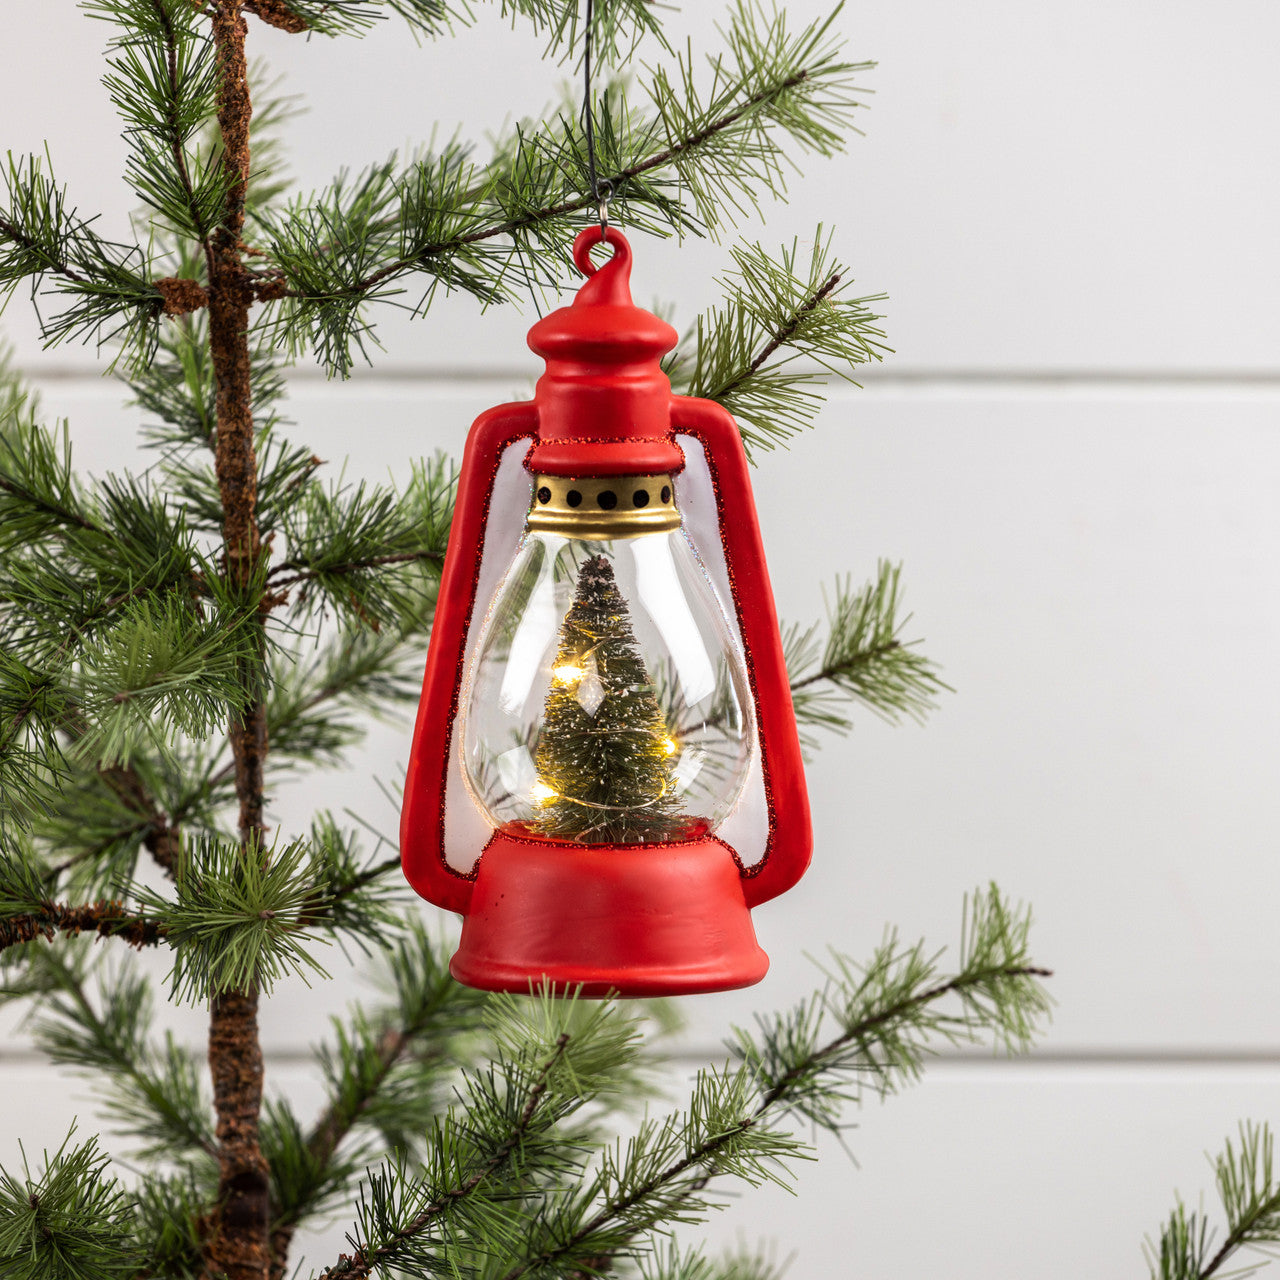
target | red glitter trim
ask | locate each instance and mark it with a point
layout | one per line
(511, 832)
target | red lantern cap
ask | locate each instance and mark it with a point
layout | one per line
(604, 404)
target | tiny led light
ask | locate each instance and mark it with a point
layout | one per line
(669, 745)
(541, 793)
(567, 674)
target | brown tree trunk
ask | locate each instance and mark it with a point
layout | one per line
(236, 1232)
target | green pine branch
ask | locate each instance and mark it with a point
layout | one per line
(766, 352)
(717, 145)
(105, 286)
(178, 389)
(368, 552)
(1249, 1193)
(869, 1031)
(315, 709)
(162, 80)
(72, 1219)
(100, 816)
(73, 557)
(551, 1057)
(32, 705)
(383, 1072)
(238, 924)
(164, 669)
(863, 658)
(40, 496)
(674, 1263)
(356, 17)
(617, 25)
(887, 1016)
(150, 824)
(316, 705)
(150, 1091)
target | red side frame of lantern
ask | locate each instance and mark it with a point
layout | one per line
(633, 920)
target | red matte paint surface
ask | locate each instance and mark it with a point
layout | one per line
(668, 917)
(639, 920)
(603, 401)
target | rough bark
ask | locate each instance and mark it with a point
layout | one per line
(236, 1231)
(106, 918)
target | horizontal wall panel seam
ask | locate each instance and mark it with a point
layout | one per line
(1086, 1060)
(959, 386)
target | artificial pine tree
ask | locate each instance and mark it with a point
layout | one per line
(605, 752)
(173, 643)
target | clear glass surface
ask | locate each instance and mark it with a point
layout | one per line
(607, 716)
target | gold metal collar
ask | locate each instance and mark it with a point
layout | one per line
(605, 507)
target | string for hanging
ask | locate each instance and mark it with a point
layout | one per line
(601, 189)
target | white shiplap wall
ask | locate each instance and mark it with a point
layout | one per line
(1073, 452)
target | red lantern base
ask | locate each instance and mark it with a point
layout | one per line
(642, 920)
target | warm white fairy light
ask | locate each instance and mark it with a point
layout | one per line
(669, 745)
(566, 673)
(543, 794)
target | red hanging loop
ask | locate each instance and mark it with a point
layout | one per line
(617, 268)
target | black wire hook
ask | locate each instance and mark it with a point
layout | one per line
(601, 188)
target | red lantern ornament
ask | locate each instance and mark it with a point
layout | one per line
(606, 774)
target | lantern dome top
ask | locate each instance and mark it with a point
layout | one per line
(604, 403)
(602, 323)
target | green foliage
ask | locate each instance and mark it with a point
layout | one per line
(369, 553)
(673, 1263)
(862, 658)
(238, 923)
(118, 631)
(1249, 1193)
(31, 707)
(498, 1142)
(544, 1208)
(104, 287)
(768, 78)
(73, 555)
(169, 1208)
(70, 1222)
(604, 754)
(164, 668)
(386, 1073)
(162, 79)
(488, 1125)
(615, 22)
(149, 1090)
(241, 922)
(498, 229)
(179, 389)
(765, 353)
(22, 888)
(319, 709)
(889, 1013)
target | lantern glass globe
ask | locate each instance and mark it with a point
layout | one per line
(607, 701)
